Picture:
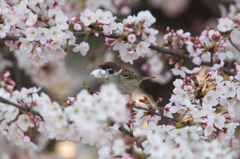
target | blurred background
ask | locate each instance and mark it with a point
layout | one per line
(64, 79)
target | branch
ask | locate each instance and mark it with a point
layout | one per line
(14, 38)
(24, 109)
(154, 47)
(158, 114)
(126, 132)
(167, 51)
(230, 40)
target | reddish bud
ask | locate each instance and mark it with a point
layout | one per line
(96, 34)
(159, 100)
(168, 29)
(150, 120)
(6, 74)
(146, 98)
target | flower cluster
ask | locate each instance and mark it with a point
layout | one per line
(42, 27)
(135, 34)
(202, 112)
(79, 119)
(6, 82)
(210, 47)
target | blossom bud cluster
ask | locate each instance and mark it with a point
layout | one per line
(212, 46)
(6, 82)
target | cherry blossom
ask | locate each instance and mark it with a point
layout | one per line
(196, 128)
(32, 19)
(3, 30)
(83, 48)
(88, 17)
(225, 24)
(24, 122)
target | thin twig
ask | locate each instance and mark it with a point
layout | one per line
(169, 52)
(13, 38)
(24, 109)
(153, 112)
(126, 132)
(154, 47)
(230, 40)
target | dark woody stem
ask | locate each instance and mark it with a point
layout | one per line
(153, 47)
(23, 109)
(158, 114)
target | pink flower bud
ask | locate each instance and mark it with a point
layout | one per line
(138, 33)
(11, 82)
(96, 34)
(144, 67)
(189, 88)
(39, 50)
(73, 19)
(208, 85)
(168, 29)
(24, 18)
(146, 98)
(159, 100)
(150, 120)
(210, 73)
(6, 74)
(48, 46)
(28, 105)
(9, 88)
(129, 102)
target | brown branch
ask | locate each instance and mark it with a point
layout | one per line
(158, 114)
(14, 38)
(126, 132)
(230, 40)
(24, 109)
(154, 47)
(168, 51)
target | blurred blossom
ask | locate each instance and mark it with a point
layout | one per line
(171, 8)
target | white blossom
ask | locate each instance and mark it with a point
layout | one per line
(4, 29)
(88, 17)
(225, 24)
(32, 19)
(24, 122)
(31, 33)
